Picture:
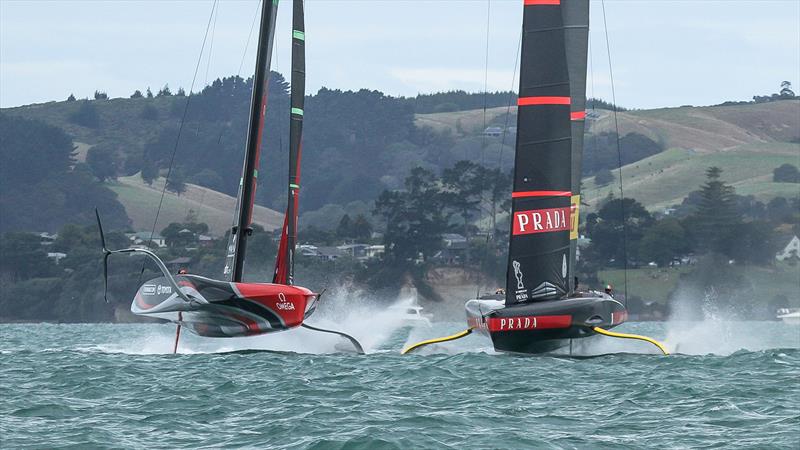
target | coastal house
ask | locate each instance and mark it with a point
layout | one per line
(454, 248)
(493, 131)
(791, 251)
(358, 251)
(143, 237)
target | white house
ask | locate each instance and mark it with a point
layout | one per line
(792, 250)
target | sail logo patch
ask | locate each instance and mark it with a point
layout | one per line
(149, 289)
(521, 292)
(542, 221)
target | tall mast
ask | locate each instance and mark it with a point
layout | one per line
(237, 246)
(576, 40)
(284, 266)
(539, 244)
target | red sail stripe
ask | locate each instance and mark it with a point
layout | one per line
(523, 194)
(577, 115)
(526, 101)
(542, 2)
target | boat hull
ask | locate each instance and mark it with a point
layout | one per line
(225, 309)
(545, 326)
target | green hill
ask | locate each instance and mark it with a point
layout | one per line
(358, 143)
(214, 208)
(747, 141)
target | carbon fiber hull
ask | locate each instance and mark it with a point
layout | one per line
(225, 309)
(545, 326)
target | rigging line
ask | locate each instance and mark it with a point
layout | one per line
(483, 140)
(510, 101)
(249, 36)
(180, 129)
(211, 45)
(619, 159)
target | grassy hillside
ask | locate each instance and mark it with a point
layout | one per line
(666, 178)
(211, 207)
(747, 141)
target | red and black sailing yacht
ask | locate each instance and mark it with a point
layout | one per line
(231, 307)
(542, 310)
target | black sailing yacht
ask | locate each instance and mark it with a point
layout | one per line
(542, 310)
(230, 307)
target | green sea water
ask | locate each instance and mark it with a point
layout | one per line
(730, 384)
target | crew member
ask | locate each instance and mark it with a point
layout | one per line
(609, 290)
(500, 291)
(183, 271)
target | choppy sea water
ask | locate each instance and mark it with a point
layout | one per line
(730, 384)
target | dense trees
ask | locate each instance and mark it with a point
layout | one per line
(86, 115)
(617, 220)
(601, 151)
(42, 186)
(786, 173)
(459, 101)
(103, 162)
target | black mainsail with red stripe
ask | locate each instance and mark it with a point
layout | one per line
(540, 223)
(542, 310)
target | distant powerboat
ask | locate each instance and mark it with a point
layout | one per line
(411, 313)
(790, 316)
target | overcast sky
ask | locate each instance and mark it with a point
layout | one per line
(664, 52)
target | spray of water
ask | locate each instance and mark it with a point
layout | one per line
(702, 326)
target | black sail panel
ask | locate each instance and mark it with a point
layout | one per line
(576, 39)
(540, 223)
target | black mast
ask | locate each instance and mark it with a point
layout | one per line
(238, 241)
(539, 244)
(295, 130)
(576, 40)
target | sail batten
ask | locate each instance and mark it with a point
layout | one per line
(542, 189)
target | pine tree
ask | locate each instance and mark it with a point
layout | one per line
(164, 92)
(345, 228)
(71, 98)
(137, 94)
(149, 171)
(149, 92)
(716, 215)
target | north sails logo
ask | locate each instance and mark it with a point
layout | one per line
(545, 289)
(284, 304)
(149, 289)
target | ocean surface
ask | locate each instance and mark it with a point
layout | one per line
(729, 384)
